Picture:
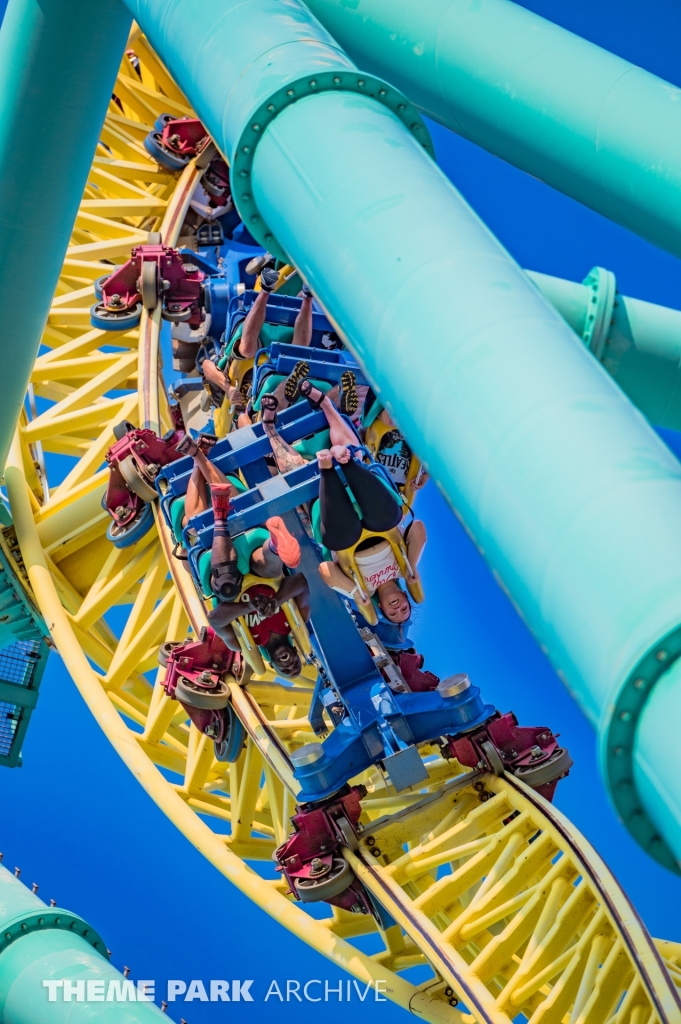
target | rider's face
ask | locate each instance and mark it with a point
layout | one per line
(394, 603)
(286, 660)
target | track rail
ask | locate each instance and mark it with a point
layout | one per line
(417, 849)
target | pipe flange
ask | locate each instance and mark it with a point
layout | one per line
(327, 81)
(618, 732)
(599, 314)
(50, 917)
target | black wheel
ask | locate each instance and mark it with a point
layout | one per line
(149, 284)
(230, 746)
(165, 650)
(162, 120)
(538, 775)
(258, 263)
(349, 834)
(153, 144)
(493, 759)
(126, 534)
(122, 428)
(213, 188)
(136, 480)
(99, 284)
(312, 890)
(200, 697)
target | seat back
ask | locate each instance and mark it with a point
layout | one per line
(372, 439)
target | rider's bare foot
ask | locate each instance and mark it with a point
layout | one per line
(324, 459)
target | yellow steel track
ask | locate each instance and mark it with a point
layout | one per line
(488, 884)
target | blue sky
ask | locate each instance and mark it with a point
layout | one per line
(76, 821)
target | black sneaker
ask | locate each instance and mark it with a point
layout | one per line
(268, 279)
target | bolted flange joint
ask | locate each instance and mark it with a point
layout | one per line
(338, 80)
(50, 917)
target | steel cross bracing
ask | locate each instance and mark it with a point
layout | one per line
(482, 880)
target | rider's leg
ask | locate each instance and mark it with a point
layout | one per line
(302, 331)
(281, 549)
(247, 344)
(380, 508)
(340, 430)
(340, 524)
(196, 499)
(415, 540)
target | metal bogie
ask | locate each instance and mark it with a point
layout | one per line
(201, 664)
(216, 182)
(134, 461)
(153, 273)
(176, 138)
(531, 753)
(197, 676)
(312, 860)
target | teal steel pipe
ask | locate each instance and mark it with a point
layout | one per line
(282, 55)
(574, 115)
(58, 64)
(573, 499)
(48, 944)
(639, 343)
(657, 754)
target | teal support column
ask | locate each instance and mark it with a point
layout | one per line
(579, 118)
(58, 64)
(639, 343)
(48, 944)
(568, 492)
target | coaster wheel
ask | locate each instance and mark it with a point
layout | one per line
(153, 144)
(228, 748)
(200, 697)
(149, 284)
(107, 320)
(124, 535)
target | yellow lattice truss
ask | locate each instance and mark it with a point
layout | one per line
(487, 884)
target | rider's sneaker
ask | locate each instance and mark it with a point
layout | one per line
(220, 496)
(283, 543)
(268, 279)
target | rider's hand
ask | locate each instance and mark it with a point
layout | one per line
(267, 606)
